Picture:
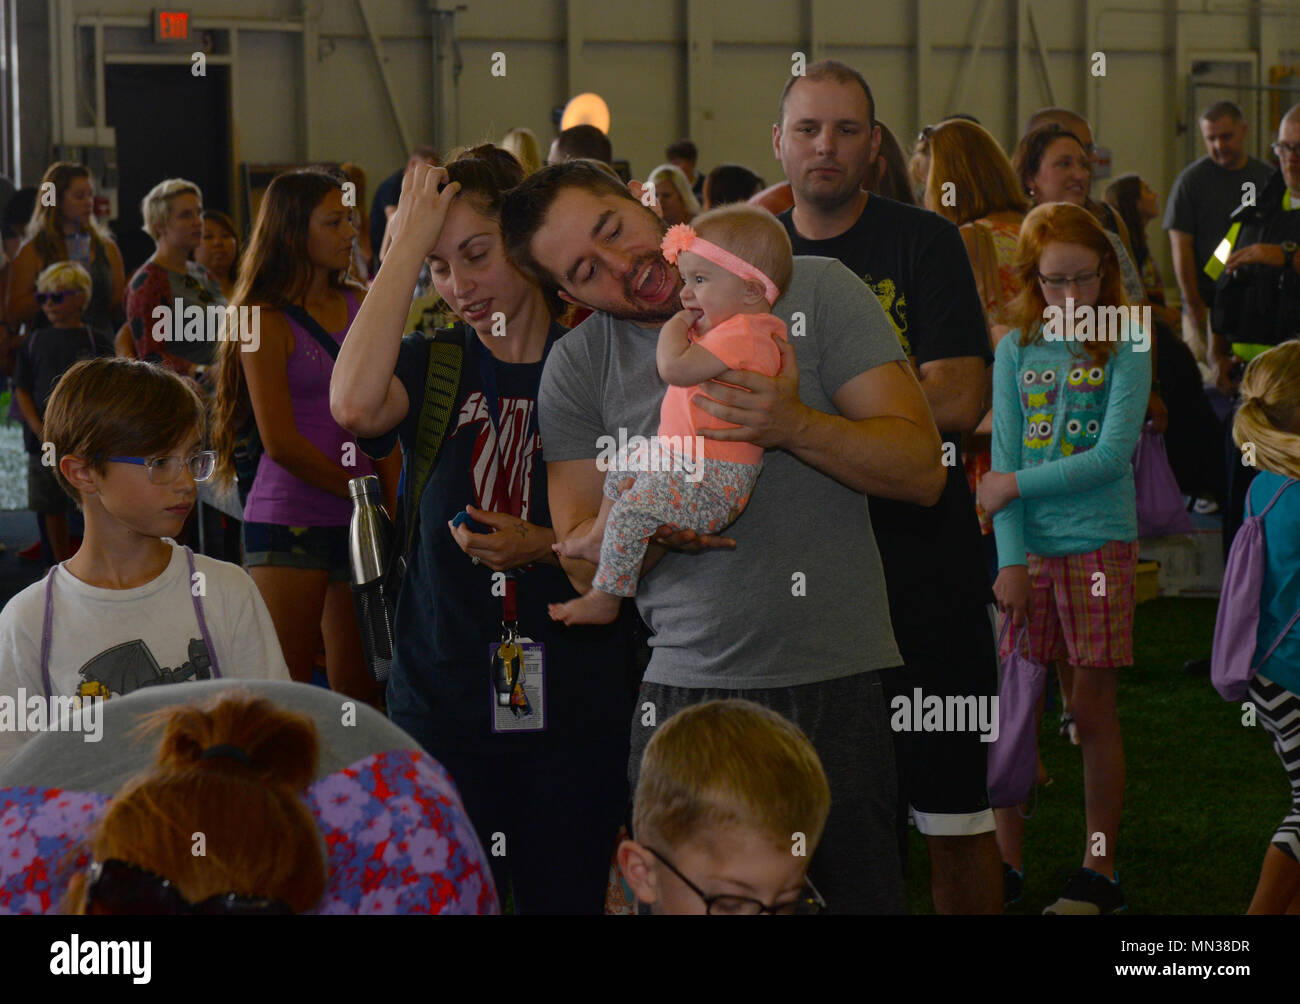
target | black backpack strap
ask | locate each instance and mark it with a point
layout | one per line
(309, 324)
(441, 384)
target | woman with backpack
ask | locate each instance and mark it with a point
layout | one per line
(1267, 428)
(541, 763)
(296, 515)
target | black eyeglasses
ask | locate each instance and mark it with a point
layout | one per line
(56, 298)
(165, 470)
(810, 902)
(1285, 150)
(1061, 281)
(125, 889)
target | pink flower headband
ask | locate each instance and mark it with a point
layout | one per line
(683, 237)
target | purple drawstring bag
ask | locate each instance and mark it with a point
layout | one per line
(1013, 756)
(1160, 508)
(1236, 628)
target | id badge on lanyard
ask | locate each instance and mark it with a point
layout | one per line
(518, 664)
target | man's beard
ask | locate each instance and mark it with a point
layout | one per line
(829, 200)
(629, 309)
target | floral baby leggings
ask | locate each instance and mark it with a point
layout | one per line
(659, 498)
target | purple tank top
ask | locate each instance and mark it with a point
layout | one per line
(278, 496)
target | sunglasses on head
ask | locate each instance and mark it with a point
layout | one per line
(124, 889)
(43, 298)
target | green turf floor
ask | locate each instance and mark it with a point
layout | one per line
(1203, 796)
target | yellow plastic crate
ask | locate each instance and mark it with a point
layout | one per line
(1148, 580)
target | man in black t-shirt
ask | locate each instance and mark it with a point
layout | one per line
(915, 262)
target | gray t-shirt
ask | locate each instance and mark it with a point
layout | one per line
(802, 597)
(1204, 195)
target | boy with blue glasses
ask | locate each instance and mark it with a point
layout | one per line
(132, 608)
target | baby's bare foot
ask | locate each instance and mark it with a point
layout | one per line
(585, 547)
(593, 608)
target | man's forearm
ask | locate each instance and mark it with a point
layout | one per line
(889, 457)
(1185, 273)
(955, 409)
(579, 570)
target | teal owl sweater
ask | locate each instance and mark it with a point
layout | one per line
(1067, 428)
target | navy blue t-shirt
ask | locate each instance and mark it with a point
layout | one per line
(446, 613)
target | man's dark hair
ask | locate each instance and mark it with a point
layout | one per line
(1223, 109)
(525, 206)
(829, 69)
(585, 141)
(728, 183)
(683, 149)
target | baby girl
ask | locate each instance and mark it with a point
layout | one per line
(735, 262)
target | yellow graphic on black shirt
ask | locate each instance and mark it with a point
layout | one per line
(895, 305)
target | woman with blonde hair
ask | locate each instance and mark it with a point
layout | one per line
(971, 183)
(65, 229)
(523, 144)
(1268, 421)
(674, 193)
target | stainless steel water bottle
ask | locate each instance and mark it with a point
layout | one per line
(376, 573)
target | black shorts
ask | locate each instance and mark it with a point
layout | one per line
(943, 771)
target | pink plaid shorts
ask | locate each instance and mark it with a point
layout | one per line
(1068, 622)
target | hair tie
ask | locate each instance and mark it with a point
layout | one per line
(223, 750)
(682, 237)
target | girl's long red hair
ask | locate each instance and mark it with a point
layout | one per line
(1062, 223)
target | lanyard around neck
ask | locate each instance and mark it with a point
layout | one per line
(501, 488)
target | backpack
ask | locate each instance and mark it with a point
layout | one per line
(1232, 659)
(441, 384)
(248, 449)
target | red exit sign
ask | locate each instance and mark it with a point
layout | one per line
(171, 25)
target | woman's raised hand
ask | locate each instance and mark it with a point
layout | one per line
(422, 208)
